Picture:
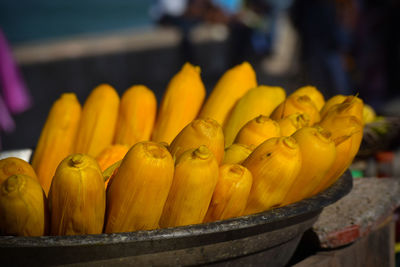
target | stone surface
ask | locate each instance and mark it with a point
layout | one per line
(373, 250)
(370, 202)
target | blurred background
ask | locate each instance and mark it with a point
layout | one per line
(51, 47)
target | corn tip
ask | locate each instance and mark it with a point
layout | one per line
(290, 142)
(202, 152)
(155, 150)
(237, 169)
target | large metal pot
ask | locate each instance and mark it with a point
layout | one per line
(268, 238)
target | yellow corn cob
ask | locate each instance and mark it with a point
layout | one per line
(261, 100)
(57, 138)
(110, 172)
(196, 174)
(274, 165)
(77, 198)
(297, 104)
(137, 193)
(23, 207)
(318, 153)
(12, 165)
(236, 153)
(351, 106)
(334, 100)
(311, 91)
(181, 103)
(97, 125)
(232, 85)
(199, 132)
(257, 131)
(230, 194)
(347, 133)
(341, 126)
(292, 123)
(110, 155)
(136, 116)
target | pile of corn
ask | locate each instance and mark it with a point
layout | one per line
(121, 164)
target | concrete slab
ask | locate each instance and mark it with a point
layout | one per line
(364, 209)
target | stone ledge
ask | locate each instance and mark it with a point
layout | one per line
(364, 209)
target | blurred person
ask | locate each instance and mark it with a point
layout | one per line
(264, 38)
(171, 13)
(184, 15)
(324, 41)
(253, 29)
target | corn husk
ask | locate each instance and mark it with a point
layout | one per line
(318, 153)
(312, 92)
(237, 153)
(23, 207)
(297, 104)
(257, 131)
(292, 123)
(334, 100)
(274, 165)
(180, 104)
(199, 132)
(261, 100)
(231, 193)
(195, 178)
(77, 197)
(232, 85)
(57, 138)
(12, 165)
(136, 116)
(97, 125)
(137, 193)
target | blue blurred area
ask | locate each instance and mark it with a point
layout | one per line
(27, 20)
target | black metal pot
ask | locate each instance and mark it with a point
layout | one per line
(268, 238)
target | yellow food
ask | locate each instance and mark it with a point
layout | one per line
(110, 155)
(126, 164)
(231, 193)
(297, 104)
(334, 100)
(318, 153)
(199, 132)
(137, 193)
(232, 85)
(136, 116)
(292, 123)
(97, 125)
(236, 153)
(351, 106)
(257, 131)
(196, 174)
(274, 165)
(347, 133)
(261, 100)
(57, 138)
(12, 165)
(311, 91)
(77, 197)
(110, 172)
(23, 207)
(180, 104)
